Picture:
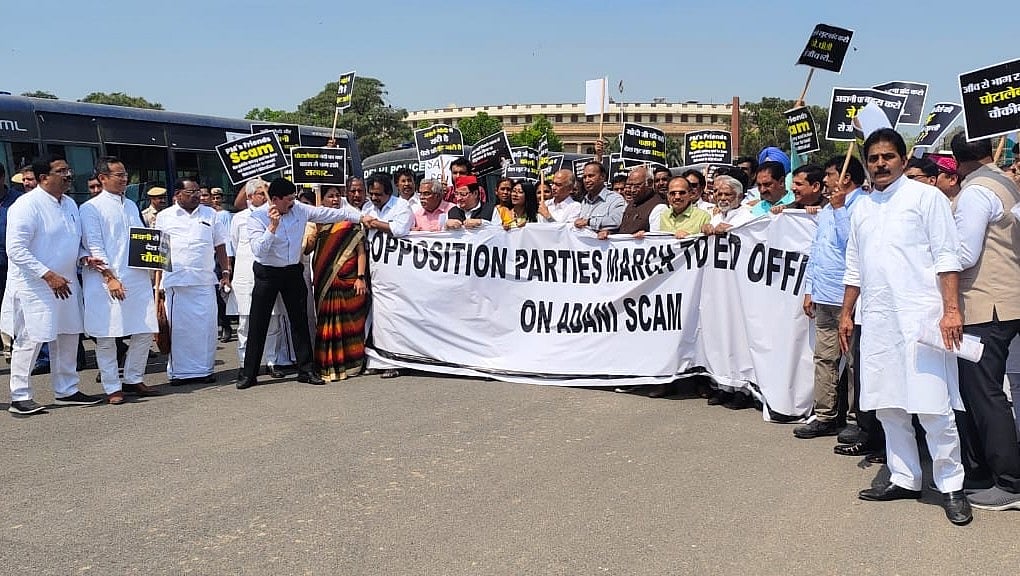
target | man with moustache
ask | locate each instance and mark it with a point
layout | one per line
(771, 180)
(357, 195)
(431, 215)
(43, 245)
(807, 185)
(728, 211)
(601, 209)
(403, 179)
(645, 207)
(197, 243)
(660, 180)
(469, 211)
(902, 263)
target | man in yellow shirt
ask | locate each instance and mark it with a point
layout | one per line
(683, 218)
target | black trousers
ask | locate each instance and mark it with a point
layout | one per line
(289, 283)
(987, 430)
(867, 420)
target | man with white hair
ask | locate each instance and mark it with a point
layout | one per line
(561, 207)
(277, 350)
(728, 211)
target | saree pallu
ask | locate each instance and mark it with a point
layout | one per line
(340, 311)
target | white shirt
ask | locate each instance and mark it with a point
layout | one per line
(44, 234)
(1016, 214)
(225, 217)
(706, 206)
(655, 217)
(396, 211)
(193, 240)
(284, 247)
(566, 211)
(106, 220)
(976, 208)
(734, 217)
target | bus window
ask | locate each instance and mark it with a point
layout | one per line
(16, 155)
(145, 165)
(82, 161)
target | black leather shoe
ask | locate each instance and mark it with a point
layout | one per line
(275, 372)
(957, 508)
(852, 434)
(244, 382)
(888, 493)
(310, 378)
(816, 429)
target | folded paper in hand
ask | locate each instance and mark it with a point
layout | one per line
(970, 348)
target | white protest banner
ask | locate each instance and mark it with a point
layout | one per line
(594, 313)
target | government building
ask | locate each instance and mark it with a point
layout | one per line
(577, 131)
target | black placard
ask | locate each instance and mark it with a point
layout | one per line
(579, 167)
(991, 100)
(323, 166)
(149, 249)
(643, 144)
(916, 93)
(490, 154)
(436, 140)
(708, 147)
(549, 166)
(251, 156)
(288, 134)
(803, 132)
(620, 166)
(942, 115)
(524, 166)
(826, 48)
(847, 101)
(345, 91)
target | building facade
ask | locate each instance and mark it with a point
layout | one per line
(577, 131)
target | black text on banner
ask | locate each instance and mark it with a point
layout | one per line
(345, 91)
(643, 144)
(826, 48)
(803, 133)
(708, 147)
(549, 166)
(490, 154)
(251, 156)
(321, 166)
(579, 169)
(991, 100)
(916, 93)
(288, 134)
(437, 140)
(149, 249)
(524, 166)
(942, 115)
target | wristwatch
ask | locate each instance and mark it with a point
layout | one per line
(360, 277)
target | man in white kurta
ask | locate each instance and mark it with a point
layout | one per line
(118, 300)
(277, 352)
(43, 246)
(902, 262)
(197, 240)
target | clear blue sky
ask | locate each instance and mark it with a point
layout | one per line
(224, 58)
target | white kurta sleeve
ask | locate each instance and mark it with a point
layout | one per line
(655, 217)
(942, 235)
(852, 275)
(976, 208)
(21, 223)
(235, 233)
(400, 224)
(221, 233)
(92, 233)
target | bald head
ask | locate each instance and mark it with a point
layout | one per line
(563, 185)
(639, 184)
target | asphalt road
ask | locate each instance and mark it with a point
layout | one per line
(431, 475)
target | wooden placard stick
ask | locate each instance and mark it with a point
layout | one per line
(336, 116)
(846, 161)
(803, 93)
(999, 150)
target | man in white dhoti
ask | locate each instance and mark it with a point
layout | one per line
(902, 262)
(196, 238)
(43, 244)
(118, 299)
(277, 352)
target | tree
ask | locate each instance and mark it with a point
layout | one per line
(121, 99)
(534, 132)
(377, 125)
(764, 124)
(40, 94)
(674, 151)
(479, 126)
(264, 115)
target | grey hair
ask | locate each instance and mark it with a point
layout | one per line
(571, 179)
(730, 181)
(252, 185)
(435, 183)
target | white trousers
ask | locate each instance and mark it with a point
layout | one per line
(901, 449)
(134, 362)
(277, 350)
(63, 366)
(191, 311)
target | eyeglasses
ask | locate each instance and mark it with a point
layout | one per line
(189, 192)
(117, 174)
(63, 172)
(694, 184)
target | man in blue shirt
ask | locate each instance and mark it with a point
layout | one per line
(823, 297)
(771, 181)
(7, 197)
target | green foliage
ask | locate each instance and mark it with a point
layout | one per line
(479, 126)
(763, 124)
(264, 115)
(674, 151)
(121, 99)
(533, 133)
(378, 126)
(40, 94)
